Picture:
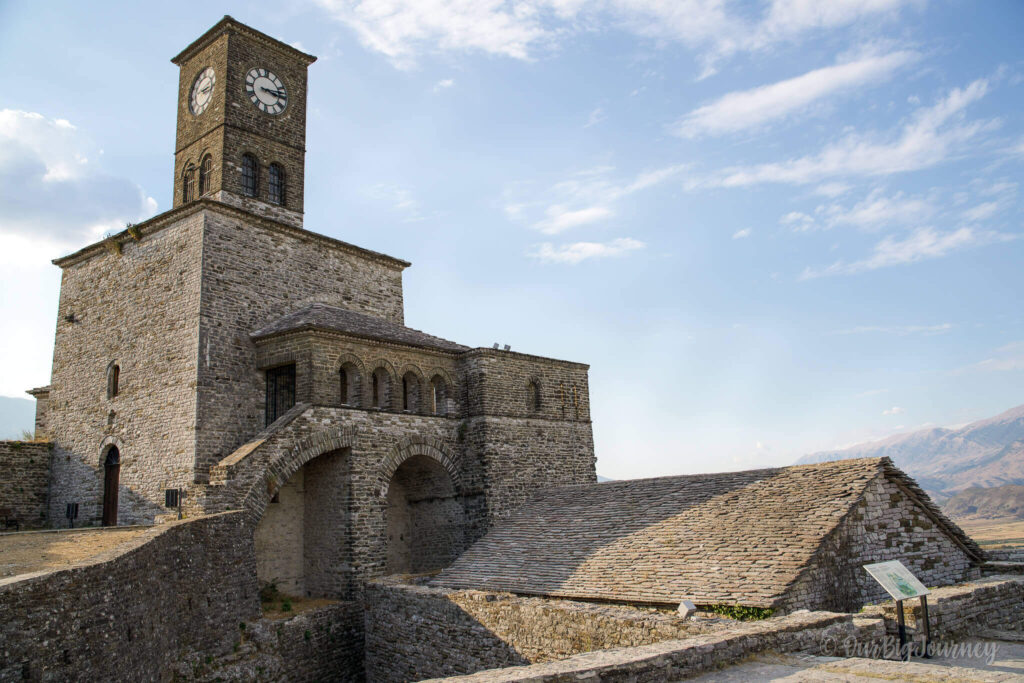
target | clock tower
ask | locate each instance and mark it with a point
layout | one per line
(241, 135)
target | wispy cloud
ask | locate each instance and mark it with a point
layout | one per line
(444, 84)
(895, 410)
(899, 330)
(399, 198)
(747, 109)
(933, 135)
(581, 251)
(921, 244)
(585, 197)
(876, 211)
(403, 30)
(740, 234)
(596, 116)
(1006, 358)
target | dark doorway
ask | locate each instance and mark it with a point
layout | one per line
(280, 391)
(111, 475)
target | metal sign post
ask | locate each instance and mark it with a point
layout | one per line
(898, 582)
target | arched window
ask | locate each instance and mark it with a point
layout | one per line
(438, 396)
(188, 184)
(113, 379)
(381, 388)
(410, 392)
(275, 183)
(250, 175)
(343, 384)
(205, 175)
(532, 397)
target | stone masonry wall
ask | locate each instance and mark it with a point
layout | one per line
(253, 274)
(137, 307)
(473, 630)
(128, 615)
(470, 631)
(885, 525)
(25, 481)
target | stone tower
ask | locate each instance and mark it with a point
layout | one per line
(242, 122)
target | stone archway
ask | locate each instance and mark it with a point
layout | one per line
(300, 507)
(425, 515)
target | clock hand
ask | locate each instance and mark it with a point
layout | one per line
(275, 93)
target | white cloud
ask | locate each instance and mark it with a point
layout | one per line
(981, 212)
(51, 188)
(924, 141)
(402, 30)
(399, 198)
(895, 410)
(585, 197)
(444, 84)
(581, 251)
(740, 234)
(746, 109)
(832, 190)
(596, 117)
(1005, 359)
(560, 218)
(800, 222)
(921, 244)
(900, 330)
(878, 211)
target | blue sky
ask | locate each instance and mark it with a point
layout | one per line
(770, 227)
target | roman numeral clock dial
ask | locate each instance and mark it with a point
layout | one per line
(266, 91)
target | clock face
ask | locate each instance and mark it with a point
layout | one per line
(266, 91)
(202, 91)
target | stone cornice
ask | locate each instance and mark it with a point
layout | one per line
(314, 331)
(160, 221)
(499, 353)
(229, 24)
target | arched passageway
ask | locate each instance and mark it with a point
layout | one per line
(302, 544)
(425, 518)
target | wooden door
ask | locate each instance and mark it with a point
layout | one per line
(111, 475)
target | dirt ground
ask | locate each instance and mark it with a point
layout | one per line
(32, 551)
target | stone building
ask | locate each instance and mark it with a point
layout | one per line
(222, 350)
(783, 539)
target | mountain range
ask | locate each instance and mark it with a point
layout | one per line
(946, 461)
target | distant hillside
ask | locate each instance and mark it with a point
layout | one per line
(16, 416)
(995, 503)
(983, 454)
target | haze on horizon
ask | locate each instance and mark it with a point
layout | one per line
(771, 228)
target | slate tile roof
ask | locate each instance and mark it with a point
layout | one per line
(716, 538)
(324, 317)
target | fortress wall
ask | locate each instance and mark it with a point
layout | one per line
(137, 308)
(473, 631)
(496, 384)
(127, 615)
(252, 275)
(25, 483)
(885, 525)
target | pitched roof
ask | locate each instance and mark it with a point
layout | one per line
(715, 538)
(324, 317)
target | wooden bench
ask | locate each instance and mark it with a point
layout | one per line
(9, 519)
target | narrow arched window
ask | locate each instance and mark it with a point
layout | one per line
(438, 396)
(275, 183)
(250, 175)
(376, 391)
(205, 175)
(532, 397)
(188, 184)
(113, 379)
(343, 383)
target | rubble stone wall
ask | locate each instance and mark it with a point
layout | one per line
(25, 482)
(885, 525)
(127, 615)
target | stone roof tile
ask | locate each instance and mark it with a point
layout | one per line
(324, 317)
(711, 538)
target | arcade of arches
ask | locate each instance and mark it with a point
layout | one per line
(304, 539)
